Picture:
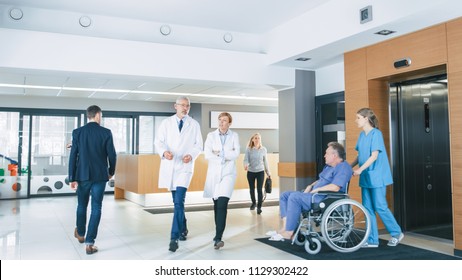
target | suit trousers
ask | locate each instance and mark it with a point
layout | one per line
(86, 189)
(220, 209)
(179, 218)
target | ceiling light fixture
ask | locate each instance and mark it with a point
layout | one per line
(385, 32)
(228, 38)
(302, 59)
(16, 13)
(124, 91)
(85, 21)
(165, 30)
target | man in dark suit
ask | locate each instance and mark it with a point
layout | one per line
(92, 163)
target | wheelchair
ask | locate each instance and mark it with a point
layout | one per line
(339, 221)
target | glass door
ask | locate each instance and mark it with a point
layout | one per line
(330, 124)
(13, 176)
(45, 149)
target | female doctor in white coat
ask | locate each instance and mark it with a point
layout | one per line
(221, 149)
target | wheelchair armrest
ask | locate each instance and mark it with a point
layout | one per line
(329, 192)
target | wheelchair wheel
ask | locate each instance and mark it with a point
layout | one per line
(300, 239)
(345, 225)
(312, 246)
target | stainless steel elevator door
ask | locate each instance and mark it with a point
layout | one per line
(423, 161)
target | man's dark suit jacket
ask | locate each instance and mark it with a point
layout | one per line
(93, 156)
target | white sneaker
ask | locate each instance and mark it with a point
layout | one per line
(271, 233)
(395, 240)
(369, 245)
(277, 237)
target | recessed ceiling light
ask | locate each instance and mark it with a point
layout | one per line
(165, 30)
(385, 32)
(16, 13)
(228, 38)
(85, 21)
(302, 59)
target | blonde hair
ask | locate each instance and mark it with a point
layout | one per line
(251, 144)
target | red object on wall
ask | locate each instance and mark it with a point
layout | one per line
(13, 168)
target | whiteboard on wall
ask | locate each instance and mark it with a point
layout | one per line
(248, 120)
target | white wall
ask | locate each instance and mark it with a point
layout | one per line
(330, 79)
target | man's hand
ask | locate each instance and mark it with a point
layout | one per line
(308, 189)
(168, 155)
(74, 185)
(187, 158)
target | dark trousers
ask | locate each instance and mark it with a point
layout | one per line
(179, 218)
(84, 191)
(251, 177)
(220, 209)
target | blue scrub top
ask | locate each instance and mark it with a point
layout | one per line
(339, 175)
(378, 174)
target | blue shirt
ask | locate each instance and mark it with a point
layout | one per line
(378, 174)
(339, 175)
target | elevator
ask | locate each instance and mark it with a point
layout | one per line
(420, 156)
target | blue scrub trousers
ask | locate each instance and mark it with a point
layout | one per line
(374, 200)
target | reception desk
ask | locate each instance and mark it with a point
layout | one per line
(137, 176)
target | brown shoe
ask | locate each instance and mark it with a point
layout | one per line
(91, 249)
(81, 239)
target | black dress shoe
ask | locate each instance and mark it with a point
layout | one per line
(91, 249)
(173, 246)
(81, 239)
(183, 235)
(259, 211)
(218, 244)
(252, 207)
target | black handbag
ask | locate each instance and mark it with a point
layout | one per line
(268, 185)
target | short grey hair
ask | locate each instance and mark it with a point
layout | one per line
(182, 98)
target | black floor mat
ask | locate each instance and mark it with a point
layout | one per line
(383, 252)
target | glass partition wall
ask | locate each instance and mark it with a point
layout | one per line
(35, 147)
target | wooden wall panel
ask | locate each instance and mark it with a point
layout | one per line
(454, 36)
(379, 103)
(426, 48)
(457, 218)
(455, 101)
(355, 70)
(297, 169)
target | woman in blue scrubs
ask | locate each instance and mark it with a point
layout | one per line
(375, 175)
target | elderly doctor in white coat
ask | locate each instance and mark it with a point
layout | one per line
(179, 142)
(221, 149)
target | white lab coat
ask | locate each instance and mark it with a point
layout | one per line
(221, 172)
(174, 173)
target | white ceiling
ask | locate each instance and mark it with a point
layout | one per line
(250, 20)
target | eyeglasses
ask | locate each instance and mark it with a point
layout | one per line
(183, 105)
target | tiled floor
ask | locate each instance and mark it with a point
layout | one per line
(42, 229)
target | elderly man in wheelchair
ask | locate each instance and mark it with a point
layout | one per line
(327, 212)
